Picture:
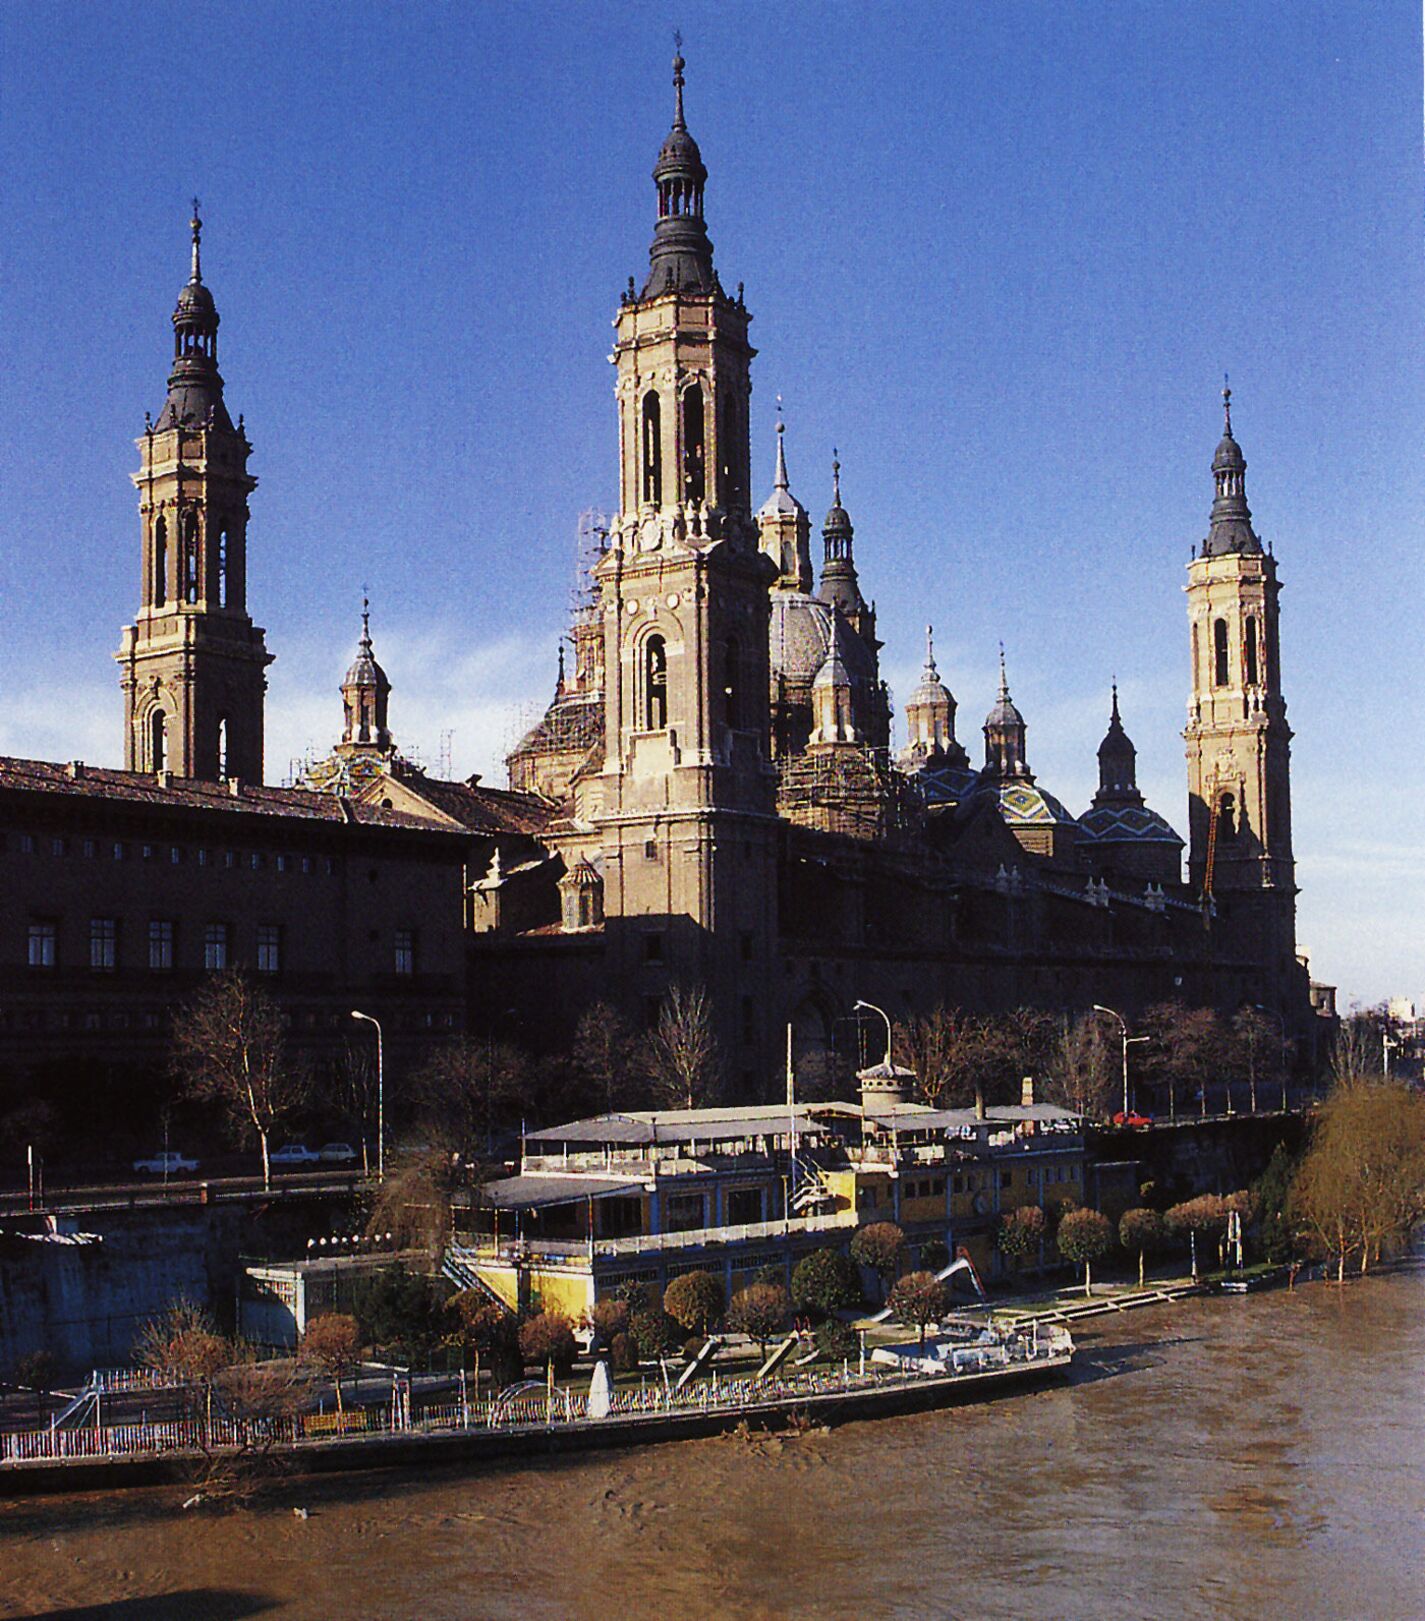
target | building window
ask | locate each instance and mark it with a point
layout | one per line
(731, 706)
(118, 851)
(56, 846)
(215, 947)
(655, 681)
(269, 948)
(1219, 652)
(306, 863)
(190, 558)
(1227, 817)
(158, 741)
(685, 1212)
(175, 855)
(160, 944)
(744, 941)
(230, 858)
(223, 748)
(89, 847)
(744, 1206)
(42, 944)
(282, 863)
(222, 568)
(405, 951)
(103, 944)
(653, 947)
(148, 852)
(160, 563)
(27, 844)
(694, 461)
(254, 861)
(1250, 633)
(202, 858)
(749, 1021)
(652, 450)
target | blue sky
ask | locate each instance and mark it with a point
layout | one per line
(1000, 254)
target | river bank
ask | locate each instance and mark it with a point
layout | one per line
(1224, 1457)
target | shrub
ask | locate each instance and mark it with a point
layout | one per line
(654, 1331)
(826, 1281)
(880, 1247)
(1202, 1219)
(1085, 1235)
(548, 1338)
(608, 1318)
(935, 1255)
(695, 1301)
(919, 1298)
(1020, 1234)
(1140, 1231)
(837, 1340)
(759, 1311)
(623, 1353)
(774, 1274)
(692, 1345)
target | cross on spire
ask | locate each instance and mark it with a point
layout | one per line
(678, 66)
(1227, 406)
(196, 225)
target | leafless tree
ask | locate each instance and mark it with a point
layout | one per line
(1085, 1073)
(356, 1090)
(1187, 1047)
(467, 1089)
(602, 1057)
(960, 1057)
(228, 1048)
(681, 1054)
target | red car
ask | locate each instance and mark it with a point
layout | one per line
(1133, 1119)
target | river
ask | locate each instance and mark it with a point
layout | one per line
(1253, 1458)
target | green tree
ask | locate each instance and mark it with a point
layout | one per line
(836, 1340)
(1086, 1068)
(1141, 1231)
(881, 1247)
(1203, 1218)
(1084, 1237)
(826, 1281)
(1272, 1192)
(548, 1337)
(654, 1332)
(934, 1255)
(1020, 1234)
(486, 1332)
(919, 1298)
(759, 1311)
(695, 1300)
(608, 1318)
(403, 1312)
(1187, 1049)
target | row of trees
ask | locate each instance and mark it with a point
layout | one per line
(959, 1058)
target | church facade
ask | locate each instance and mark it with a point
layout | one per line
(712, 796)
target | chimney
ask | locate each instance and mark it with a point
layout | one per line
(75, 770)
(235, 787)
(165, 779)
(1026, 1092)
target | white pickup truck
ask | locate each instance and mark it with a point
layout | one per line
(169, 1163)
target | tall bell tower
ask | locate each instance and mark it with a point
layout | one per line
(686, 793)
(1238, 740)
(193, 662)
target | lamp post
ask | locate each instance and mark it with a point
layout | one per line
(872, 1008)
(1272, 1013)
(380, 1098)
(1387, 1041)
(1128, 1041)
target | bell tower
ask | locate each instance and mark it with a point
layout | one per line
(192, 662)
(1238, 740)
(685, 799)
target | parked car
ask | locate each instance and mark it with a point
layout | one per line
(168, 1163)
(336, 1153)
(1132, 1119)
(294, 1154)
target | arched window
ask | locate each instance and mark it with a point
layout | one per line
(1251, 641)
(694, 462)
(223, 749)
(190, 557)
(731, 684)
(158, 741)
(1219, 653)
(655, 684)
(652, 449)
(1227, 817)
(160, 563)
(1196, 655)
(728, 454)
(223, 567)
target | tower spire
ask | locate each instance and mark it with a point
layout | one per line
(196, 226)
(680, 259)
(1226, 406)
(1231, 522)
(780, 481)
(678, 66)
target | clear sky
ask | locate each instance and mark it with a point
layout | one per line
(999, 253)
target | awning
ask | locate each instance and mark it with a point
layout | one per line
(530, 1192)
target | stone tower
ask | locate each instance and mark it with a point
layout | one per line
(1238, 740)
(685, 797)
(1005, 737)
(365, 700)
(930, 719)
(193, 661)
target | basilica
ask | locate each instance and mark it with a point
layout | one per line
(715, 794)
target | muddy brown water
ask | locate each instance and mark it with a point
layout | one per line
(1255, 1457)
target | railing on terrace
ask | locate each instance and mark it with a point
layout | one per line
(495, 1413)
(524, 1249)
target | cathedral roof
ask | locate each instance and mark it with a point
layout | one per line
(482, 809)
(1024, 804)
(801, 635)
(574, 723)
(1136, 824)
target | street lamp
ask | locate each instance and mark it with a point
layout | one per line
(1128, 1041)
(1387, 1041)
(380, 1098)
(872, 1008)
(1272, 1013)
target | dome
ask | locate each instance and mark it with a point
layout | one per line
(1025, 804)
(195, 303)
(1004, 713)
(838, 521)
(364, 670)
(679, 155)
(1228, 454)
(1133, 824)
(801, 635)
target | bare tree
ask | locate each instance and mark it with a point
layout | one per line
(228, 1048)
(467, 1089)
(1086, 1070)
(1186, 1048)
(602, 1057)
(356, 1091)
(681, 1055)
(1259, 1051)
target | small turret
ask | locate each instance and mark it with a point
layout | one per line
(195, 387)
(784, 528)
(1004, 736)
(839, 585)
(930, 718)
(681, 256)
(1117, 764)
(833, 694)
(1231, 527)
(365, 694)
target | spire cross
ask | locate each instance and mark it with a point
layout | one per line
(1226, 406)
(196, 225)
(1115, 698)
(1003, 678)
(835, 478)
(781, 479)
(366, 614)
(930, 647)
(678, 80)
